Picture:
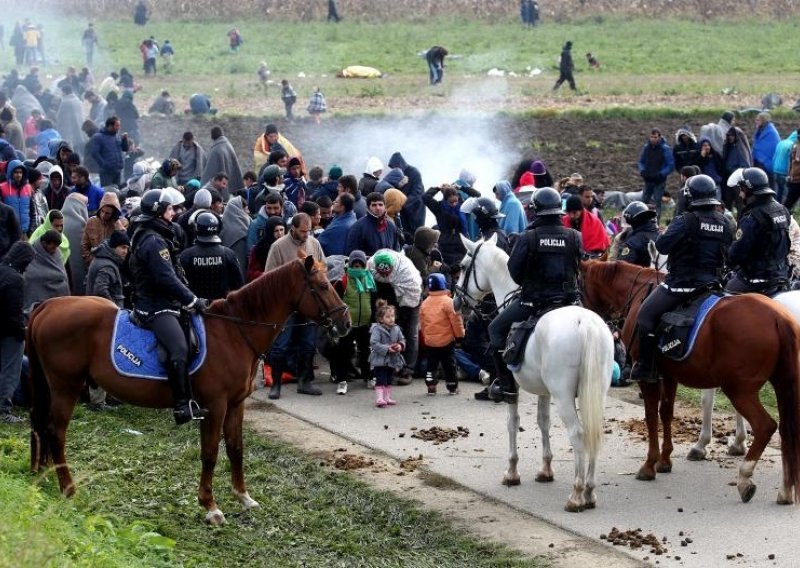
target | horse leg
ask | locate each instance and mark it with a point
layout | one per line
(651, 393)
(786, 492)
(748, 405)
(511, 476)
(232, 430)
(545, 474)
(210, 433)
(698, 451)
(62, 405)
(666, 409)
(569, 416)
(736, 446)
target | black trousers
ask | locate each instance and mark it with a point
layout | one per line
(501, 324)
(170, 334)
(565, 77)
(444, 356)
(657, 303)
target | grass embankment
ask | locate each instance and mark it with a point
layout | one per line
(136, 506)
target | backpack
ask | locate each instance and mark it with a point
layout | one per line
(794, 165)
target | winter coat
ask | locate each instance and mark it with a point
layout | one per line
(358, 297)
(104, 278)
(107, 149)
(334, 238)
(419, 253)
(47, 225)
(655, 162)
(404, 278)
(413, 213)
(18, 197)
(438, 320)
(452, 223)
(380, 338)
(765, 141)
(710, 165)
(364, 235)
(685, 153)
(222, 158)
(94, 195)
(75, 217)
(10, 231)
(45, 277)
(12, 290)
(783, 153)
(96, 231)
(514, 220)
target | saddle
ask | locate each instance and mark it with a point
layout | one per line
(678, 329)
(518, 337)
(136, 353)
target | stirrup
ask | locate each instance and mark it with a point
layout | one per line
(195, 411)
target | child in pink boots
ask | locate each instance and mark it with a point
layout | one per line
(386, 344)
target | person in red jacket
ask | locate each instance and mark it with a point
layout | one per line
(593, 232)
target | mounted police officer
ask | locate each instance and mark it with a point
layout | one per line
(545, 262)
(160, 293)
(634, 241)
(759, 255)
(212, 270)
(486, 215)
(697, 243)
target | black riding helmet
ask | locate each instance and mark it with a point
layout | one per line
(754, 181)
(702, 191)
(207, 228)
(546, 201)
(637, 213)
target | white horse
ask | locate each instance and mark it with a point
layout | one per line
(569, 355)
(736, 446)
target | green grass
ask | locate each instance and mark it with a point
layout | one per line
(136, 506)
(721, 402)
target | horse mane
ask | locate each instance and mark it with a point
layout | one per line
(261, 295)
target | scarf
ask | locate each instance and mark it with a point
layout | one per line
(381, 222)
(363, 279)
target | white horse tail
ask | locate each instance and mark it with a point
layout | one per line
(597, 353)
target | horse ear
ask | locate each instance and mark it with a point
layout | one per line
(468, 244)
(301, 254)
(308, 262)
(493, 239)
(603, 257)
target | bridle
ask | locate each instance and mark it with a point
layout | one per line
(471, 302)
(325, 318)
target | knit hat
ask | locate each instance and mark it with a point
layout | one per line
(295, 161)
(374, 164)
(118, 238)
(335, 172)
(273, 171)
(728, 116)
(574, 203)
(19, 256)
(358, 256)
(437, 282)
(538, 168)
(384, 263)
(202, 199)
(467, 177)
(192, 184)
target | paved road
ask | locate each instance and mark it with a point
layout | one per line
(697, 500)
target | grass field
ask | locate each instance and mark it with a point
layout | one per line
(136, 506)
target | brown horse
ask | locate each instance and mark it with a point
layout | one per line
(69, 340)
(744, 342)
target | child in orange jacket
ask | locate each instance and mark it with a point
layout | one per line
(441, 327)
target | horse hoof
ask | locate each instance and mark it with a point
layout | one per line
(664, 467)
(736, 451)
(784, 501)
(511, 481)
(247, 501)
(69, 490)
(590, 505)
(572, 507)
(748, 493)
(645, 476)
(696, 455)
(215, 517)
(544, 477)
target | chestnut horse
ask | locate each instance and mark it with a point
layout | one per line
(744, 342)
(69, 340)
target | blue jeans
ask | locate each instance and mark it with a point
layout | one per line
(655, 191)
(11, 351)
(467, 365)
(295, 338)
(780, 187)
(436, 73)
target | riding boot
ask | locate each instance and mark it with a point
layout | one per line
(305, 375)
(278, 368)
(644, 369)
(504, 387)
(185, 409)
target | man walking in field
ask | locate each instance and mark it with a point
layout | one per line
(566, 67)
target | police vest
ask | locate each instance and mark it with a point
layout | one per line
(206, 268)
(634, 248)
(553, 264)
(704, 250)
(771, 243)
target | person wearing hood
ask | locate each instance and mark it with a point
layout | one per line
(46, 276)
(487, 217)
(191, 156)
(105, 278)
(235, 224)
(715, 133)
(375, 230)
(12, 129)
(69, 117)
(273, 229)
(467, 179)
(422, 250)
(54, 221)
(735, 154)
(709, 161)
(10, 231)
(566, 67)
(655, 164)
(371, 177)
(38, 180)
(413, 213)
(395, 200)
(99, 227)
(82, 184)
(451, 221)
(780, 165)
(393, 178)
(47, 133)
(17, 193)
(139, 182)
(108, 147)
(12, 323)
(514, 220)
(765, 141)
(75, 217)
(334, 238)
(686, 150)
(222, 158)
(128, 116)
(166, 174)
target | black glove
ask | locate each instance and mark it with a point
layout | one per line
(200, 305)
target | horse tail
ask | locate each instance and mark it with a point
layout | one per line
(595, 376)
(41, 451)
(786, 382)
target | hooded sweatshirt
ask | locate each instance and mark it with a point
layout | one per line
(18, 196)
(46, 226)
(514, 220)
(96, 231)
(413, 213)
(12, 290)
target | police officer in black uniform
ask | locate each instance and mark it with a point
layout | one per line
(160, 293)
(759, 255)
(211, 269)
(486, 216)
(545, 262)
(697, 243)
(635, 240)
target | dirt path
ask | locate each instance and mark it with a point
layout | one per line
(481, 515)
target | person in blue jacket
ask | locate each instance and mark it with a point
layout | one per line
(334, 238)
(655, 165)
(765, 141)
(511, 207)
(375, 230)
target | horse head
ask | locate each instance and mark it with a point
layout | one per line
(319, 301)
(473, 282)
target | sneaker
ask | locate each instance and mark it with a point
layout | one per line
(11, 419)
(452, 388)
(431, 387)
(482, 395)
(484, 377)
(342, 388)
(371, 383)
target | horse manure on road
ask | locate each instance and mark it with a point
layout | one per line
(439, 435)
(635, 538)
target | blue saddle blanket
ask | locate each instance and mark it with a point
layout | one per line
(679, 329)
(134, 350)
